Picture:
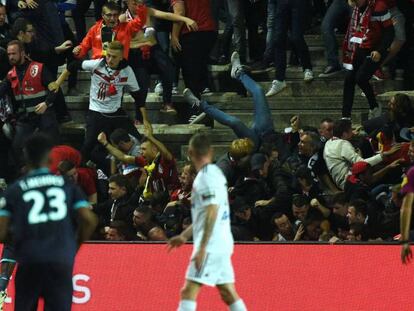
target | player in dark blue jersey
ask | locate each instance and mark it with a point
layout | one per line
(48, 218)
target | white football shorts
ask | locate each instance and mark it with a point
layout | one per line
(216, 269)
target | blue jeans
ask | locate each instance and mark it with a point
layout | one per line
(337, 11)
(163, 39)
(239, 26)
(262, 122)
(294, 11)
(270, 36)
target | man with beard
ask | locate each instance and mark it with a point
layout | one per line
(28, 81)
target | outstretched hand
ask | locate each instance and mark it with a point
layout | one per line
(76, 50)
(63, 47)
(176, 242)
(175, 44)
(393, 150)
(191, 25)
(406, 254)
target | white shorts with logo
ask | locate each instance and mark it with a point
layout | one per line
(217, 269)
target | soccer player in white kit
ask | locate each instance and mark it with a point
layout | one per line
(213, 242)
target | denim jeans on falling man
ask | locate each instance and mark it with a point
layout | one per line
(262, 120)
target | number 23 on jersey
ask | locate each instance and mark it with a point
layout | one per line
(56, 198)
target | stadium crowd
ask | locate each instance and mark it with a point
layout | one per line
(332, 182)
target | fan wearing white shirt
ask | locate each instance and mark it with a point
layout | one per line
(213, 242)
(111, 77)
(340, 155)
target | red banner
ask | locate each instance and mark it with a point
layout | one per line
(144, 277)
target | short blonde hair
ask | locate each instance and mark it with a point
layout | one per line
(116, 45)
(240, 148)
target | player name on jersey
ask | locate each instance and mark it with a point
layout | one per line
(41, 181)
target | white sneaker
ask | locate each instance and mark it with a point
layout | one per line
(308, 75)
(236, 67)
(158, 89)
(194, 119)
(206, 91)
(175, 90)
(3, 296)
(374, 113)
(277, 87)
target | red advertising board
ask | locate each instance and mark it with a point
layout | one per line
(144, 277)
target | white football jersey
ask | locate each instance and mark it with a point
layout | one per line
(210, 187)
(100, 98)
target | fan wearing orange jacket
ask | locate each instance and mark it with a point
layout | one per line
(109, 29)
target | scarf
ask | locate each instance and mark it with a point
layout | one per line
(357, 31)
(147, 193)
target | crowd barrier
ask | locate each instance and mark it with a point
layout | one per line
(145, 277)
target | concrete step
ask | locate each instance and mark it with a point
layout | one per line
(320, 87)
(280, 102)
(229, 101)
(385, 97)
(281, 119)
(221, 72)
(316, 40)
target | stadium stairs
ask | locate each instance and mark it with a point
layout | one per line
(312, 101)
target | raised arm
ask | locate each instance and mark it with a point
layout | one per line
(139, 20)
(83, 48)
(191, 25)
(179, 9)
(160, 146)
(70, 68)
(118, 154)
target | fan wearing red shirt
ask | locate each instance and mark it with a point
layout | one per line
(194, 47)
(155, 158)
(368, 38)
(84, 177)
